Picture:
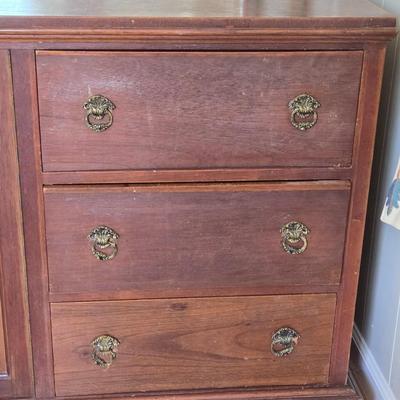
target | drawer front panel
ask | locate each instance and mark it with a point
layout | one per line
(194, 239)
(190, 343)
(177, 110)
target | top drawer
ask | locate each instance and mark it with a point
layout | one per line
(192, 110)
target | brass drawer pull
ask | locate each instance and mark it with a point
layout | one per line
(304, 111)
(294, 233)
(103, 238)
(104, 350)
(284, 341)
(99, 113)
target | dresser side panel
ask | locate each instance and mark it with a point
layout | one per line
(18, 381)
(371, 82)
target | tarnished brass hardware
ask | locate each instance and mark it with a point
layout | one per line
(304, 111)
(284, 341)
(294, 233)
(104, 350)
(103, 238)
(99, 113)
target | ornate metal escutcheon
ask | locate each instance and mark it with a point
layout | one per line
(284, 341)
(104, 350)
(304, 111)
(294, 237)
(103, 238)
(99, 113)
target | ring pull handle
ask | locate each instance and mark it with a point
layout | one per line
(104, 350)
(294, 237)
(103, 238)
(284, 341)
(304, 111)
(99, 115)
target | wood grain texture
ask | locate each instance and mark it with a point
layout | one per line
(25, 95)
(194, 239)
(197, 175)
(219, 110)
(131, 294)
(3, 355)
(193, 24)
(192, 9)
(195, 343)
(207, 13)
(264, 26)
(364, 146)
(271, 393)
(13, 292)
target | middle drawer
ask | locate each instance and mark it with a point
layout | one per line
(194, 239)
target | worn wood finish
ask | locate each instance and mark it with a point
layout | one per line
(265, 24)
(356, 29)
(240, 118)
(198, 175)
(337, 13)
(126, 14)
(194, 239)
(195, 343)
(3, 355)
(13, 294)
(271, 393)
(24, 78)
(187, 293)
(365, 138)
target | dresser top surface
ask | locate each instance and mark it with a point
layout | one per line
(193, 13)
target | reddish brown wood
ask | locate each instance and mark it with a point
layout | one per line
(192, 292)
(239, 119)
(337, 13)
(206, 42)
(271, 393)
(260, 27)
(199, 175)
(16, 357)
(3, 355)
(193, 25)
(24, 78)
(192, 239)
(364, 146)
(195, 343)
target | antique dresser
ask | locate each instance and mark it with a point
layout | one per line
(183, 195)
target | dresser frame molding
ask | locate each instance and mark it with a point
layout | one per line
(199, 36)
(17, 379)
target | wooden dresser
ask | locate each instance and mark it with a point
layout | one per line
(183, 194)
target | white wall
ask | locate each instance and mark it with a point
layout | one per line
(378, 310)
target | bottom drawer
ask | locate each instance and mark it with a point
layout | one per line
(155, 345)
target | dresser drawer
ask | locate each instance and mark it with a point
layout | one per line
(191, 343)
(194, 239)
(190, 110)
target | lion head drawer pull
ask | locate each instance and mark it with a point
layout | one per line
(99, 113)
(103, 238)
(104, 350)
(304, 112)
(294, 237)
(284, 341)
